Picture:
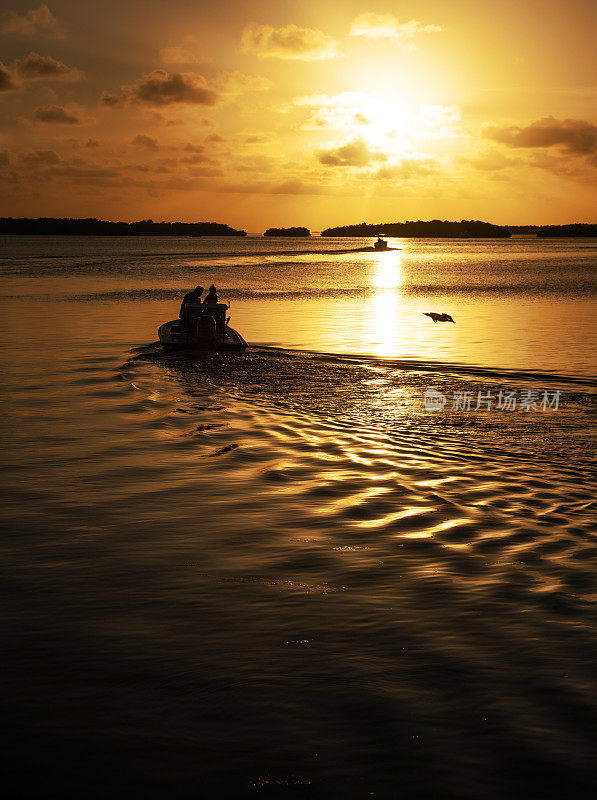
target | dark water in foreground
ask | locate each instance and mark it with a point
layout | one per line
(276, 574)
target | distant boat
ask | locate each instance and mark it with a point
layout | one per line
(380, 244)
(205, 328)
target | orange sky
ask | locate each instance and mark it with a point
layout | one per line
(300, 113)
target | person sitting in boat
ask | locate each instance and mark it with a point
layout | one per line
(189, 298)
(212, 297)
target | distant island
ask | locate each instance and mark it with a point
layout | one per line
(287, 232)
(96, 227)
(434, 228)
(578, 229)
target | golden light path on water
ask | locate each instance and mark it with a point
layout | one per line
(387, 277)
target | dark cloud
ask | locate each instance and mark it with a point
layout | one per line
(355, 153)
(56, 114)
(7, 83)
(4, 160)
(206, 172)
(33, 22)
(145, 142)
(161, 88)
(576, 135)
(78, 173)
(197, 158)
(583, 170)
(39, 157)
(37, 67)
(214, 137)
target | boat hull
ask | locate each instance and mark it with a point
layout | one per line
(172, 337)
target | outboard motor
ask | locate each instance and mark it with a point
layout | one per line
(204, 333)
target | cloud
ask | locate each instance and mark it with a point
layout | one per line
(374, 116)
(437, 121)
(238, 82)
(39, 158)
(575, 135)
(85, 173)
(33, 22)
(354, 153)
(4, 159)
(161, 88)
(36, 67)
(560, 164)
(57, 114)
(406, 169)
(336, 112)
(290, 42)
(489, 160)
(145, 142)
(187, 52)
(295, 186)
(386, 26)
(290, 186)
(7, 83)
(177, 55)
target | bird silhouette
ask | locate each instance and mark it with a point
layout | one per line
(438, 317)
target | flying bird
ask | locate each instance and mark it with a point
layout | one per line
(438, 317)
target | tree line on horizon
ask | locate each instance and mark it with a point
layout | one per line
(96, 227)
(26, 226)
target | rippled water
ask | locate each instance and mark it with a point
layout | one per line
(276, 574)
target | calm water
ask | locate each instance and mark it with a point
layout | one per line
(276, 574)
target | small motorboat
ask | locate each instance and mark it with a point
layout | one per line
(380, 244)
(204, 327)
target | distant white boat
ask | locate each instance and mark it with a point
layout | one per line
(380, 244)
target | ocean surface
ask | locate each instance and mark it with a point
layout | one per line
(291, 572)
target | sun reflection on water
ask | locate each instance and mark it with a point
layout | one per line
(387, 277)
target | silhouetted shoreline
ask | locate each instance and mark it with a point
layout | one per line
(465, 229)
(95, 227)
(419, 229)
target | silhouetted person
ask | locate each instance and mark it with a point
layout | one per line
(212, 297)
(190, 297)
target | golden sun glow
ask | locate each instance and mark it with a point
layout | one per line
(319, 117)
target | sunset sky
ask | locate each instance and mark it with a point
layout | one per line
(300, 113)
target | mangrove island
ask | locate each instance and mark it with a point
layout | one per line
(96, 227)
(287, 232)
(433, 228)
